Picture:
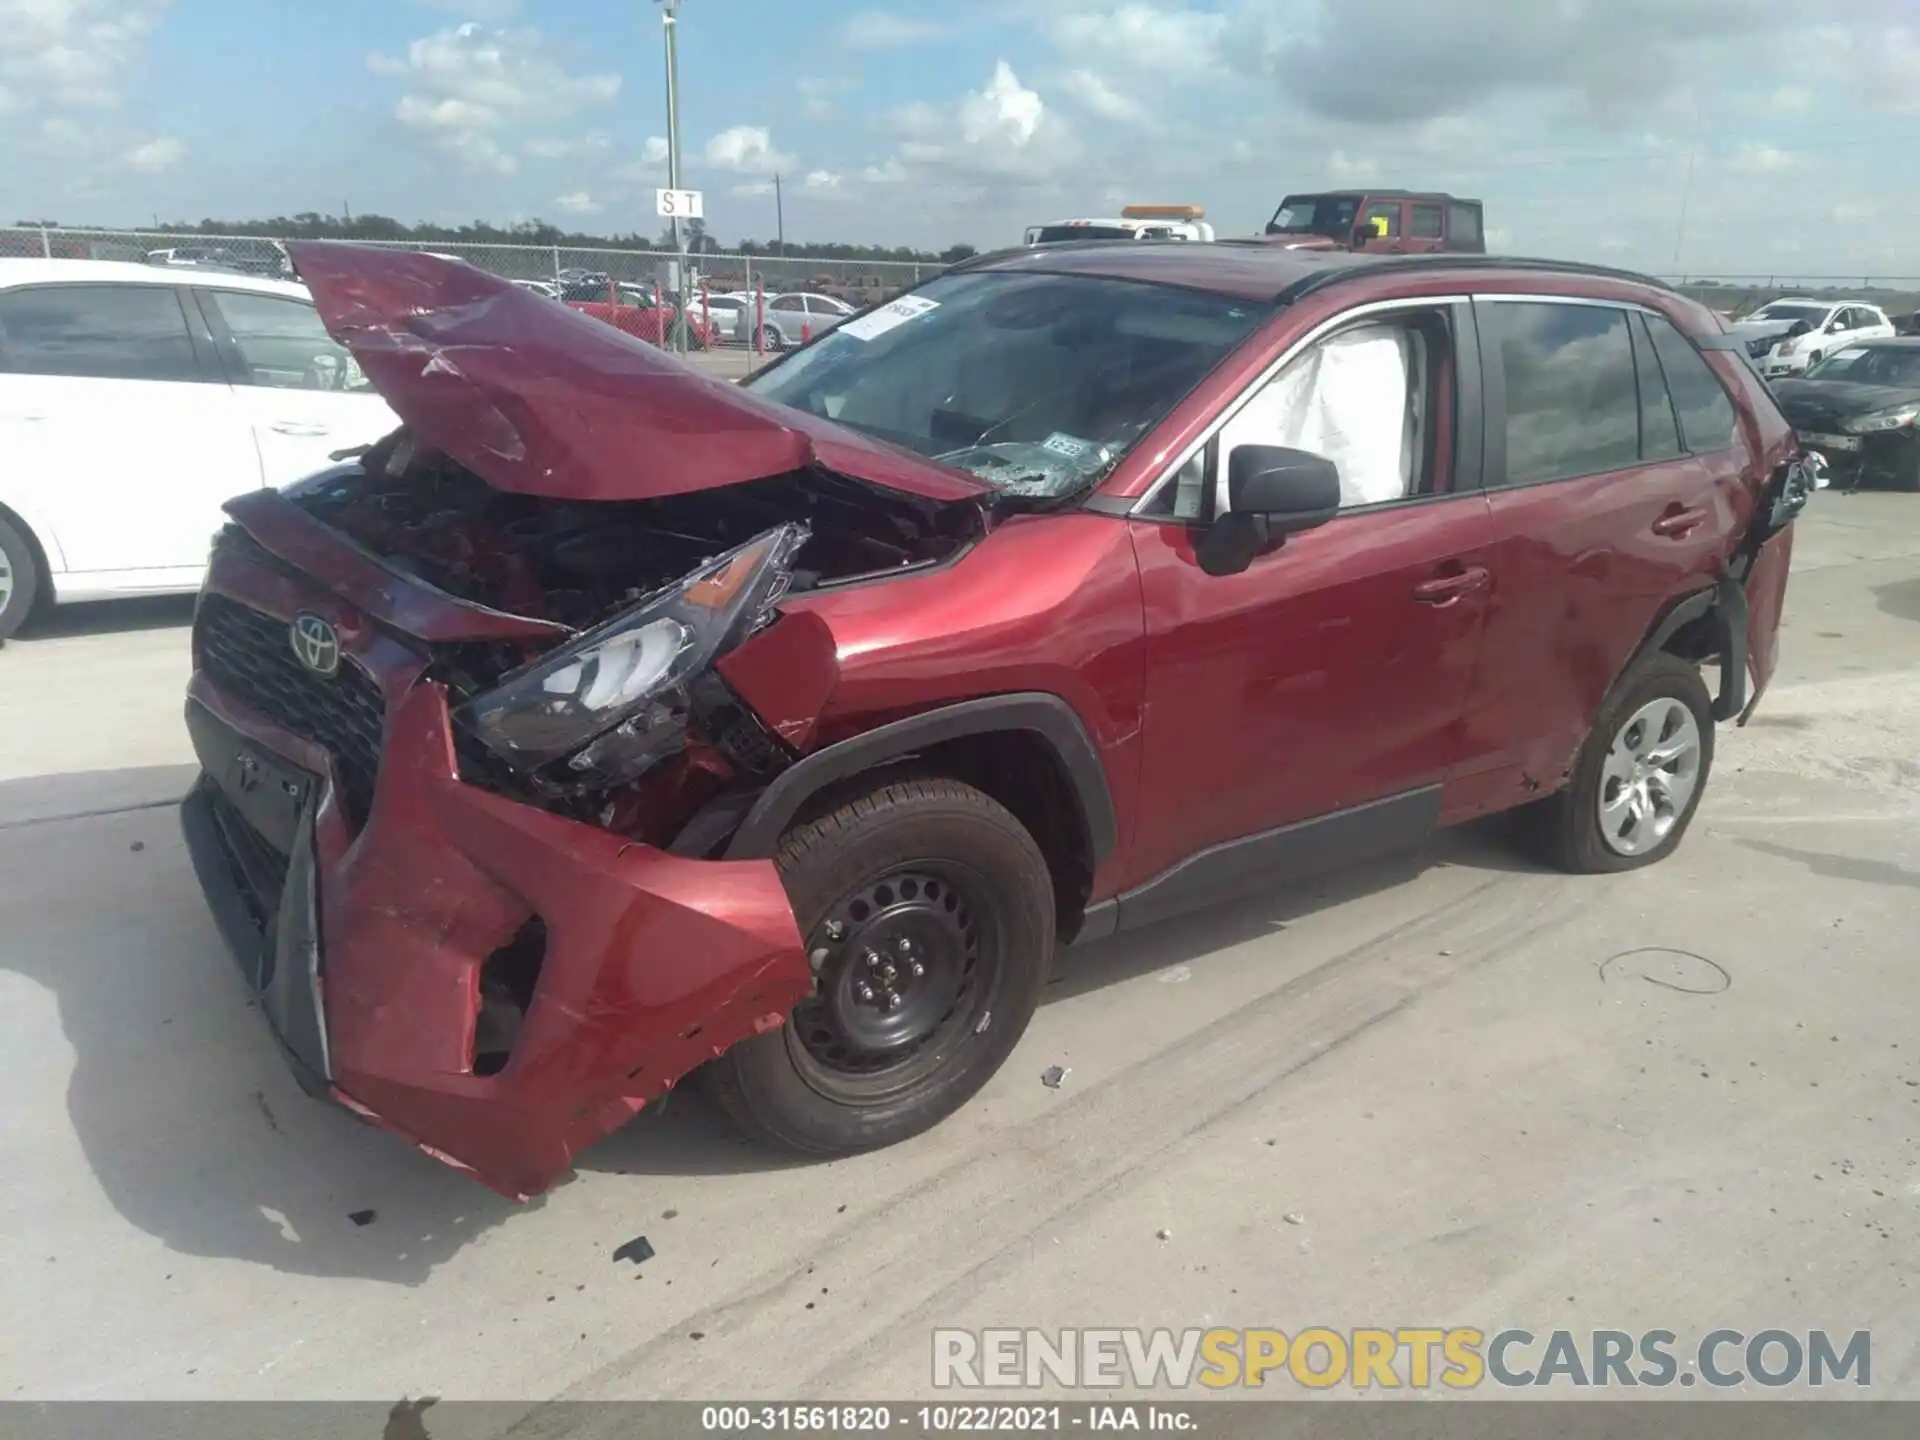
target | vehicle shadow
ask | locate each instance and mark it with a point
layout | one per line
(180, 1104)
(103, 617)
(193, 1128)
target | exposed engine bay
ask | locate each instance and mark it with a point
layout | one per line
(577, 562)
(655, 590)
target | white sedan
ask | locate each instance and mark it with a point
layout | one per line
(134, 401)
(1787, 337)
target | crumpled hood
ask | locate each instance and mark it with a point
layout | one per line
(538, 399)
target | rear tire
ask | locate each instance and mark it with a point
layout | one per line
(929, 912)
(1638, 779)
(22, 584)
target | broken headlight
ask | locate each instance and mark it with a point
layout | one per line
(613, 702)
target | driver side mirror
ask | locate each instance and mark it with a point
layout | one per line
(1273, 492)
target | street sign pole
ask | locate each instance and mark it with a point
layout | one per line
(670, 19)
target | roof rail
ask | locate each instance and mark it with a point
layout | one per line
(1364, 264)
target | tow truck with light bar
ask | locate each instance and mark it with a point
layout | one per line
(1136, 222)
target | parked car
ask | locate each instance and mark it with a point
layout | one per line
(639, 316)
(540, 287)
(1786, 337)
(1388, 222)
(791, 319)
(607, 724)
(134, 399)
(267, 258)
(731, 313)
(1859, 408)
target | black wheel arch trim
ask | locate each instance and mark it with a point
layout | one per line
(1044, 715)
(1725, 602)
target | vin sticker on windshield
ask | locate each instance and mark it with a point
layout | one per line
(1066, 445)
(888, 317)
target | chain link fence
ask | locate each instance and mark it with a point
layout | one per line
(618, 276)
(640, 275)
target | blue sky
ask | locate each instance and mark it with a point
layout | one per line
(1788, 129)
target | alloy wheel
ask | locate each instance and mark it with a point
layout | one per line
(1648, 777)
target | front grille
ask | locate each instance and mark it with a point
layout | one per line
(249, 656)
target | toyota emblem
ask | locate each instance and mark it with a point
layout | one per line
(316, 645)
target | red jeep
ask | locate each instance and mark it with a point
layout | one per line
(608, 722)
(1382, 222)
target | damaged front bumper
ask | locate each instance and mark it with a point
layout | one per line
(369, 928)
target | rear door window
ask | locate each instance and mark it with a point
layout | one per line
(100, 332)
(1708, 421)
(1572, 396)
(1429, 222)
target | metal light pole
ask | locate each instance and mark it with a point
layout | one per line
(669, 20)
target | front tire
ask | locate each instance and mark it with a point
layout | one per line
(928, 912)
(1638, 780)
(22, 585)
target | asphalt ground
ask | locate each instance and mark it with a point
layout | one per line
(1457, 1090)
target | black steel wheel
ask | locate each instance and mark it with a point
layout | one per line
(929, 919)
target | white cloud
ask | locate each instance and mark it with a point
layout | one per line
(817, 94)
(883, 30)
(560, 148)
(1144, 40)
(1097, 97)
(579, 202)
(1763, 160)
(475, 92)
(154, 156)
(747, 148)
(1348, 169)
(999, 136)
(753, 190)
(71, 53)
(822, 180)
(652, 164)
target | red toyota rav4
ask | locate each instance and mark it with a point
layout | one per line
(609, 722)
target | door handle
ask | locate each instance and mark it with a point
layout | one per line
(1676, 524)
(1445, 589)
(295, 427)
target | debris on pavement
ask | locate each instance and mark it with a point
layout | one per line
(137, 846)
(639, 1250)
(1163, 1234)
(364, 1217)
(1294, 1217)
(1052, 1076)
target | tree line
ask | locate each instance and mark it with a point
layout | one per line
(311, 226)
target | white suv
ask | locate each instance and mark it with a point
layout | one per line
(1787, 337)
(136, 400)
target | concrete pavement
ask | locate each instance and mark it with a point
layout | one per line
(1478, 1096)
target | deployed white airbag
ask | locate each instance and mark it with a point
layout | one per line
(1346, 400)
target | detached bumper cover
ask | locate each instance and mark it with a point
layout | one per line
(366, 949)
